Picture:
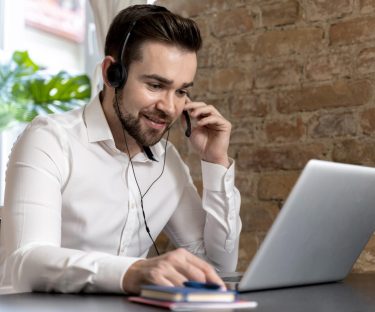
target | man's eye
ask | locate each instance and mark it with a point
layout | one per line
(154, 86)
(182, 92)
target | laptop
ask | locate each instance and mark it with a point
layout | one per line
(324, 225)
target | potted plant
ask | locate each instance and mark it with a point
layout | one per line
(27, 90)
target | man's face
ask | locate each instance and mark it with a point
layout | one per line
(156, 91)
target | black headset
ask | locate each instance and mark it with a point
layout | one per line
(116, 72)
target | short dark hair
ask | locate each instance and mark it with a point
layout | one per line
(153, 23)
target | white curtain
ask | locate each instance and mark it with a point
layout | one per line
(104, 11)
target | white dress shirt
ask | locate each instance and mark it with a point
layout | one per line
(73, 220)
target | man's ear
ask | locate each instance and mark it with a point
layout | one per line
(107, 62)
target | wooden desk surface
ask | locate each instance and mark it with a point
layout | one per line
(356, 293)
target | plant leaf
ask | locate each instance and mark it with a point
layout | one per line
(27, 91)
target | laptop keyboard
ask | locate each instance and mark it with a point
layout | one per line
(232, 278)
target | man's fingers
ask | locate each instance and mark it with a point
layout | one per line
(208, 271)
(170, 269)
(213, 122)
(172, 277)
(192, 267)
(205, 111)
(193, 273)
(199, 108)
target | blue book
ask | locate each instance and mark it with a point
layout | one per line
(187, 294)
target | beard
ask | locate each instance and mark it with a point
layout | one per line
(132, 124)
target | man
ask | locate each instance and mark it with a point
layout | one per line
(89, 190)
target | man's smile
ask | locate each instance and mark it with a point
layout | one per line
(155, 122)
(155, 119)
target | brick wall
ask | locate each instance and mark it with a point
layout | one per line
(296, 79)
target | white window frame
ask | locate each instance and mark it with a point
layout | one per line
(2, 24)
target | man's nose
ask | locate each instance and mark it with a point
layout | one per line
(167, 104)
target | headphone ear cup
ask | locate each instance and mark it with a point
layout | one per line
(115, 75)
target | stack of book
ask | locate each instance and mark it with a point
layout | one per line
(190, 298)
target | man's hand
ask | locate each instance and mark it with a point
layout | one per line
(170, 269)
(211, 133)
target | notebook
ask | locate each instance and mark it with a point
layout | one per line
(196, 306)
(194, 296)
(328, 218)
(187, 294)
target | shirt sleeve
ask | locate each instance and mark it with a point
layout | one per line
(209, 227)
(221, 201)
(34, 257)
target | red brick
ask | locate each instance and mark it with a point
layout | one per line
(163, 243)
(242, 133)
(367, 6)
(219, 102)
(333, 125)
(366, 261)
(366, 61)
(355, 152)
(212, 55)
(278, 13)
(232, 22)
(344, 93)
(194, 162)
(177, 137)
(326, 67)
(232, 51)
(285, 130)
(286, 42)
(246, 105)
(276, 186)
(290, 157)
(193, 7)
(358, 30)
(249, 243)
(275, 74)
(241, 48)
(204, 27)
(229, 79)
(321, 10)
(246, 184)
(258, 215)
(367, 121)
(201, 83)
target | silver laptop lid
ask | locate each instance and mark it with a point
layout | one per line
(319, 233)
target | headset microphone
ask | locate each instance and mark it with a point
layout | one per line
(188, 124)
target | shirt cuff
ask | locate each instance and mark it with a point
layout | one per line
(218, 178)
(110, 270)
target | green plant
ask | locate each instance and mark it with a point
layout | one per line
(26, 90)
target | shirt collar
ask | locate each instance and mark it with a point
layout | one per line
(157, 151)
(95, 122)
(99, 130)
